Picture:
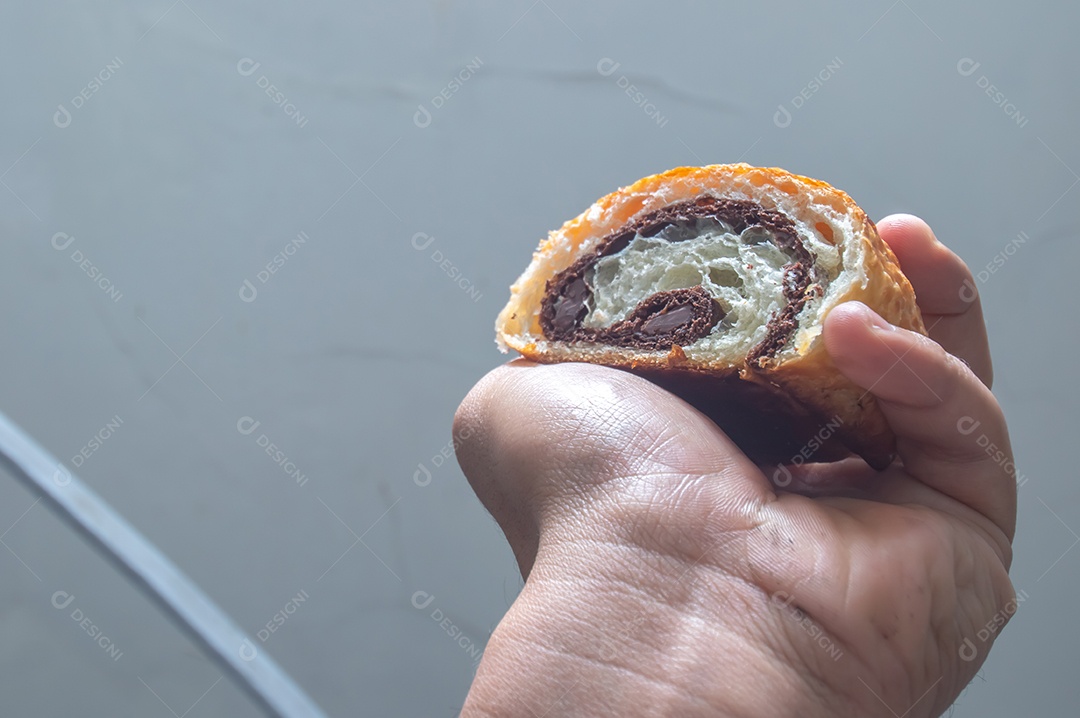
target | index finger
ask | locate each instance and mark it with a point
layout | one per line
(945, 419)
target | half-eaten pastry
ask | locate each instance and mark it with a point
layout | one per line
(714, 282)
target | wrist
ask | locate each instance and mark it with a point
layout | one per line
(601, 629)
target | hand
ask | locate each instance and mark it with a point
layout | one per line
(666, 575)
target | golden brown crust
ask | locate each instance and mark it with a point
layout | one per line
(804, 371)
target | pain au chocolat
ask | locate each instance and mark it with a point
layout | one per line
(714, 282)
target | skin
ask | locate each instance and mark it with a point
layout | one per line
(666, 575)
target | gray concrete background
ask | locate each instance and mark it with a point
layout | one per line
(178, 178)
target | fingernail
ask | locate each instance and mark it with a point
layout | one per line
(876, 322)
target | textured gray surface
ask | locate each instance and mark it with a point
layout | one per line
(179, 178)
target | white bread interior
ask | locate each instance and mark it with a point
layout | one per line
(743, 271)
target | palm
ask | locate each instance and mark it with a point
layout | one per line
(900, 572)
(864, 574)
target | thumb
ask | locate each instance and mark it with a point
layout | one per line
(565, 449)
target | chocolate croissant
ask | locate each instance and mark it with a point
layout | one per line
(714, 282)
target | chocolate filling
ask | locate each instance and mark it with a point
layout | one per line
(680, 316)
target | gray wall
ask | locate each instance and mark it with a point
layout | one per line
(178, 178)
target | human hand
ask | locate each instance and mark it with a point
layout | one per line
(667, 575)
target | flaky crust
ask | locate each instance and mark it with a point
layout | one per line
(803, 370)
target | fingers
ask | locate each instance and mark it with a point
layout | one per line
(950, 431)
(539, 443)
(944, 288)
